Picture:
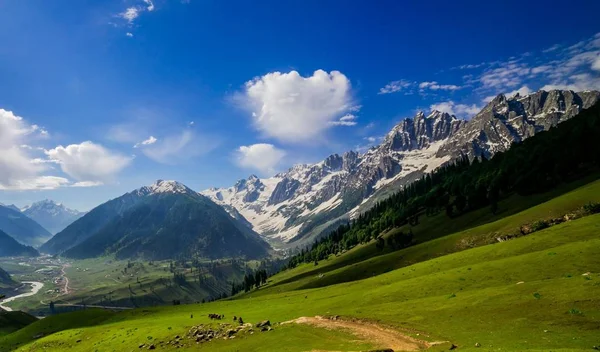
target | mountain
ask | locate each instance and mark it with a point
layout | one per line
(22, 228)
(53, 216)
(9, 247)
(298, 205)
(10, 206)
(5, 278)
(166, 220)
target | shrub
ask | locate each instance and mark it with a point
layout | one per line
(539, 225)
(575, 311)
(592, 208)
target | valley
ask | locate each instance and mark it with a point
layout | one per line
(424, 268)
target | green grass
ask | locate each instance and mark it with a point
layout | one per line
(525, 294)
(467, 297)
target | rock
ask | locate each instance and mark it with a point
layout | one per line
(152, 347)
(453, 347)
(142, 345)
(477, 344)
(263, 323)
(231, 332)
(78, 341)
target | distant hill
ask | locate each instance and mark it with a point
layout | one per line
(53, 216)
(22, 228)
(5, 278)
(9, 247)
(166, 220)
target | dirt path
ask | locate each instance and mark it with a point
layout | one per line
(66, 279)
(378, 335)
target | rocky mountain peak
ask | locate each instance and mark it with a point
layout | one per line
(168, 186)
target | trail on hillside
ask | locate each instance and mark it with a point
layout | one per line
(378, 335)
(65, 279)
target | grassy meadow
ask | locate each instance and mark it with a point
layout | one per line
(538, 292)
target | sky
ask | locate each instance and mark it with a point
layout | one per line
(98, 98)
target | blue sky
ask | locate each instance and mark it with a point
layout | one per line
(100, 97)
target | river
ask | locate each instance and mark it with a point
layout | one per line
(35, 288)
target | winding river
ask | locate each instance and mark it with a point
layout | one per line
(35, 288)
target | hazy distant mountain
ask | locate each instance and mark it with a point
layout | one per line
(22, 228)
(53, 216)
(163, 221)
(10, 206)
(293, 207)
(9, 247)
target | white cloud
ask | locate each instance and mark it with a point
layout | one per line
(395, 86)
(292, 108)
(524, 90)
(433, 85)
(346, 120)
(460, 110)
(130, 14)
(578, 82)
(150, 140)
(87, 184)
(150, 5)
(129, 34)
(177, 146)
(37, 183)
(469, 66)
(541, 69)
(88, 161)
(15, 162)
(596, 64)
(262, 157)
(509, 74)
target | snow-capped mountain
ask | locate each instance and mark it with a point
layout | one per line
(51, 215)
(306, 200)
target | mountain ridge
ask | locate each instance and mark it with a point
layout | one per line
(295, 206)
(22, 228)
(53, 216)
(165, 220)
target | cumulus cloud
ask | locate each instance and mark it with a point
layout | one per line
(15, 163)
(262, 157)
(150, 140)
(396, 86)
(88, 161)
(293, 108)
(433, 85)
(129, 34)
(460, 110)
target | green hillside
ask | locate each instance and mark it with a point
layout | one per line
(534, 285)
(13, 321)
